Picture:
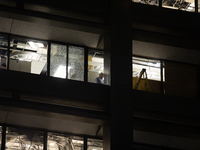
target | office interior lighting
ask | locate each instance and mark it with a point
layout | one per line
(32, 44)
(69, 68)
(35, 45)
(61, 72)
(51, 144)
(40, 44)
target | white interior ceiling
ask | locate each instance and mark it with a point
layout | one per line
(47, 32)
(45, 120)
(159, 51)
(5, 25)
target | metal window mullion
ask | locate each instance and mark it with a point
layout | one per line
(67, 61)
(45, 140)
(86, 65)
(85, 143)
(196, 6)
(48, 58)
(8, 54)
(160, 3)
(161, 75)
(3, 140)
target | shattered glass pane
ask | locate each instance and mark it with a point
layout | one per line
(94, 144)
(76, 63)
(57, 141)
(18, 138)
(58, 60)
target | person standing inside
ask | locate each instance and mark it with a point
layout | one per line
(100, 79)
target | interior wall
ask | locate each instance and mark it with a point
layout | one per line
(92, 75)
(159, 51)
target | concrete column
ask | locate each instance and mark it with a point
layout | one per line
(121, 113)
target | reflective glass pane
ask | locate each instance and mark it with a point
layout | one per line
(95, 66)
(148, 2)
(28, 55)
(3, 51)
(58, 60)
(94, 144)
(18, 138)
(186, 5)
(57, 141)
(76, 63)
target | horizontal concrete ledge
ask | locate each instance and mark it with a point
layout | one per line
(53, 90)
(165, 104)
(17, 105)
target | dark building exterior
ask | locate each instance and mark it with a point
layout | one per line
(51, 52)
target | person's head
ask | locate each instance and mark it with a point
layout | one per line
(101, 75)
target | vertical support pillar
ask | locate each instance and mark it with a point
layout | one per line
(106, 137)
(121, 113)
(3, 140)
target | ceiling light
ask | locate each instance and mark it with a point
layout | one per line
(190, 8)
(40, 44)
(29, 56)
(77, 141)
(191, 5)
(157, 64)
(32, 44)
(51, 144)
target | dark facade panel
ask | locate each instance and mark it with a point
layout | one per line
(54, 87)
(165, 104)
(164, 20)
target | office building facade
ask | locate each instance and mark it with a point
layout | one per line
(51, 52)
